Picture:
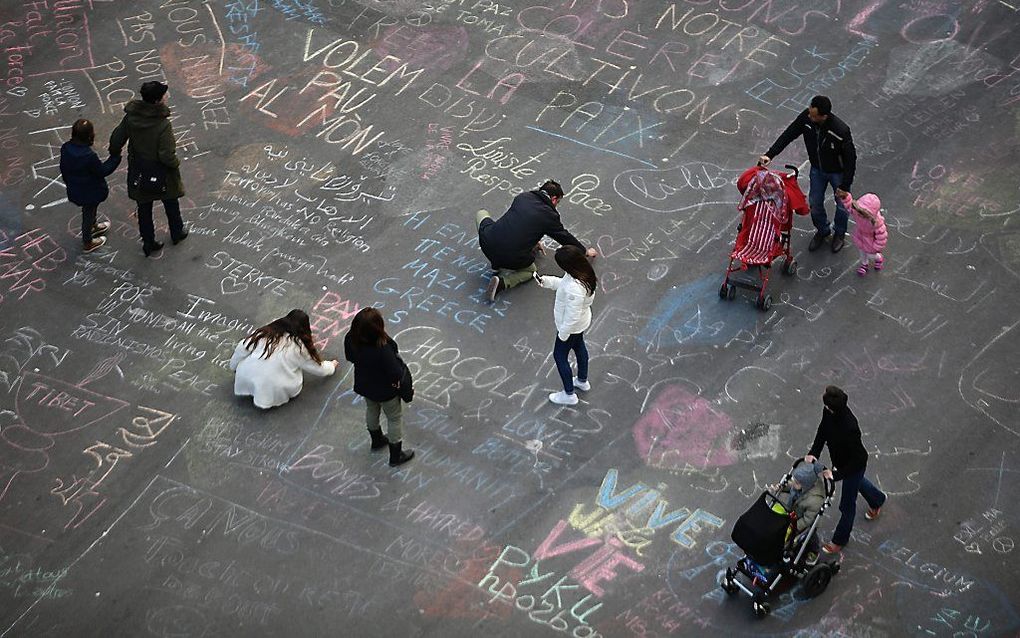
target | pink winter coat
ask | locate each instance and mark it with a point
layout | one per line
(869, 236)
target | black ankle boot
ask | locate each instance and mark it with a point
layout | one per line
(155, 246)
(379, 440)
(397, 457)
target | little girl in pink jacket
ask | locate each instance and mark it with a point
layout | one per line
(870, 234)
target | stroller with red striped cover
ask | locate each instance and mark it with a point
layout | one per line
(763, 234)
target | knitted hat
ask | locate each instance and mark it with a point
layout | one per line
(153, 91)
(805, 475)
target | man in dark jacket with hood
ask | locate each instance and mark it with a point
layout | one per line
(510, 243)
(833, 157)
(840, 432)
(84, 176)
(152, 157)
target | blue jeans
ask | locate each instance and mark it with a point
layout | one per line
(852, 485)
(560, 352)
(821, 180)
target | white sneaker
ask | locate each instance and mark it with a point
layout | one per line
(562, 398)
(583, 386)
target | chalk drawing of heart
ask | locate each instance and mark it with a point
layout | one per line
(230, 286)
(609, 246)
(616, 281)
(682, 429)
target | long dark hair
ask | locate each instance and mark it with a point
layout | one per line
(294, 326)
(83, 132)
(574, 262)
(368, 328)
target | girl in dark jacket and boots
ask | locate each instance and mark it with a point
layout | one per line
(839, 431)
(379, 377)
(85, 178)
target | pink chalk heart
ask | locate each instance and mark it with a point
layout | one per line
(681, 429)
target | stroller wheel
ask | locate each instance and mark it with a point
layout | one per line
(764, 303)
(723, 291)
(727, 584)
(731, 291)
(790, 267)
(817, 580)
(761, 609)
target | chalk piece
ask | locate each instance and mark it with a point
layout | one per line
(29, 206)
(323, 287)
(35, 369)
(97, 594)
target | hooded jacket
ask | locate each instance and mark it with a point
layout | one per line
(509, 242)
(839, 430)
(149, 135)
(84, 174)
(830, 146)
(869, 236)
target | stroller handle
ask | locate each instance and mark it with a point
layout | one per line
(796, 171)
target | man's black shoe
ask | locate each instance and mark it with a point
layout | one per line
(153, 247)
(838, 241)
(817, 241)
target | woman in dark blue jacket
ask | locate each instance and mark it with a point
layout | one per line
(85, 178)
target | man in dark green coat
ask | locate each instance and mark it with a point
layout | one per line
(152, 158)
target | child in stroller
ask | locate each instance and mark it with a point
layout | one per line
(778, 537)
(803, 496)
(769, 201)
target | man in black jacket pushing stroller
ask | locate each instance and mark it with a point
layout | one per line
(833, 157)
(840, 432)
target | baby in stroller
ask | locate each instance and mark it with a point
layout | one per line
(803, 495)
(779, 540)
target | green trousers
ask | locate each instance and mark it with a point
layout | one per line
(394, 411)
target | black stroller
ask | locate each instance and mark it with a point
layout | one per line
(773, 550)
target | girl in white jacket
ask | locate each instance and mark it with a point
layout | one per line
(270, 363)
(574, 293)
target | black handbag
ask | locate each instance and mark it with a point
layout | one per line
(406, 389)
(149, 176)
